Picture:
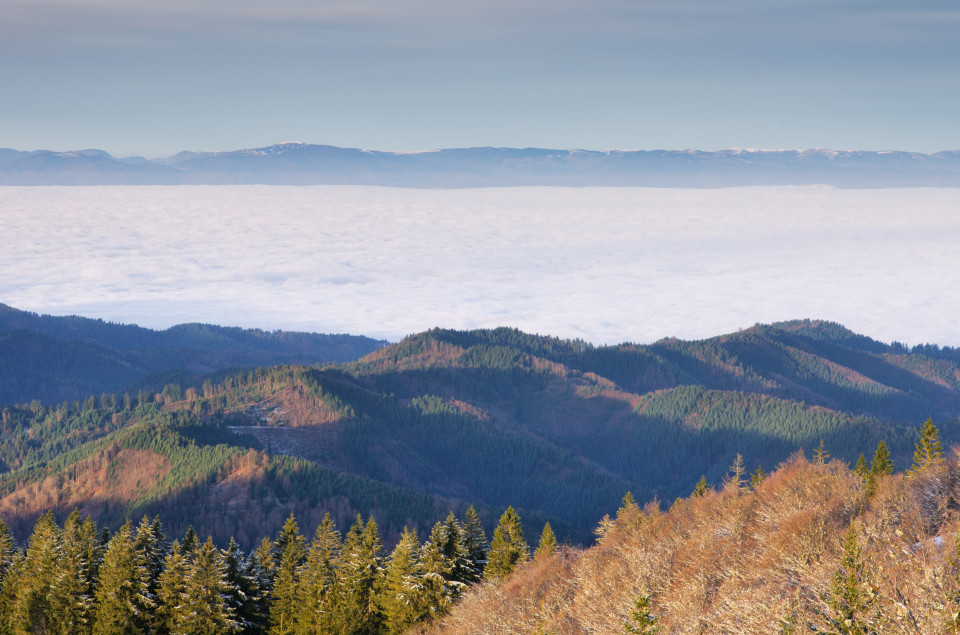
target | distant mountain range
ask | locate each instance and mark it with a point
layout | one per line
(308, 164)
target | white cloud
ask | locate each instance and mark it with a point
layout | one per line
(605, 264)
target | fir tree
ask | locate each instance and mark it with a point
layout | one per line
(644, 622)
(33, 608)
(172, 590)
(547, 544)
(315, 592)
(507, 547)
(860, 468)
(881, 464)
(243, 594)
(206, 610)
(72, 593)
(928, 450)
(402, 599)
(701, 489)
(151, 544)
(853, 598)
(358, 576)
(757, 477)
(123, 594)
(291, 552)
(475, 545)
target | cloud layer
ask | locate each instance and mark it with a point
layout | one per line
(604, 264)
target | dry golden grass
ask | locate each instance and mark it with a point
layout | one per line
(741, 561)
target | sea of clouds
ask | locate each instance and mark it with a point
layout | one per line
(604, 264)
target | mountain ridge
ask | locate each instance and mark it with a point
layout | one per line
(297, 163)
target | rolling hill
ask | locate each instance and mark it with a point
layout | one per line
(557, 428)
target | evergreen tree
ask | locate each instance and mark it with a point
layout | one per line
(853, 598)
(34, 602)
(291, 552)
(358, 578)
(403, 595)
(475, 545)
(439, 588)
(928, 450)
(72, 594)
(151, 544)
(123, 601)
(315, 593)
(701, 489)
(507, 547)
(190, 543)
(454, 549)
(644, 622)
(206, 609)
(172, 591)
(547, 544)
(882, 464)
(757, 477)
(243, 593)
(263, 567)
(8, 549)
(860, 468)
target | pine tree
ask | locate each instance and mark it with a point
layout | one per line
(291, 552)
(860, 468)
(123, 601)
(701, 489)
(263, 567)
(315, 593)
(151, 544)
(72, 593)
(853, 598)
(33, 605)
(454, 549)
(206, 610)
(757, 477)
(172, 591)
(547, 544)
(402, 599)
(358, 576)
(243, 594)
(644, 622)
(8, 549)
(928, 450)
(475, 545)
(507, 547)
(882, 464)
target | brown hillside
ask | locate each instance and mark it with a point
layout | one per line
(742, 561)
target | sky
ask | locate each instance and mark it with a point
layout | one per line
(607, 265)
(141, 77)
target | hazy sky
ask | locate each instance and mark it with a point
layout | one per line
(152, 78)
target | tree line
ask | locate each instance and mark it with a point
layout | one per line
(77, 578)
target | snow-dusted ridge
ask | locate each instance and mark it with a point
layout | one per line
(299, 163)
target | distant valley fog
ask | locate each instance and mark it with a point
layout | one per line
(603, 264)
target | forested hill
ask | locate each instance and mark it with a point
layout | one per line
(557, 428)
(53, 359)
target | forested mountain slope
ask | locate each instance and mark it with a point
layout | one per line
(559, 429)
(53, 359)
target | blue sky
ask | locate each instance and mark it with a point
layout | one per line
(153, 78)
